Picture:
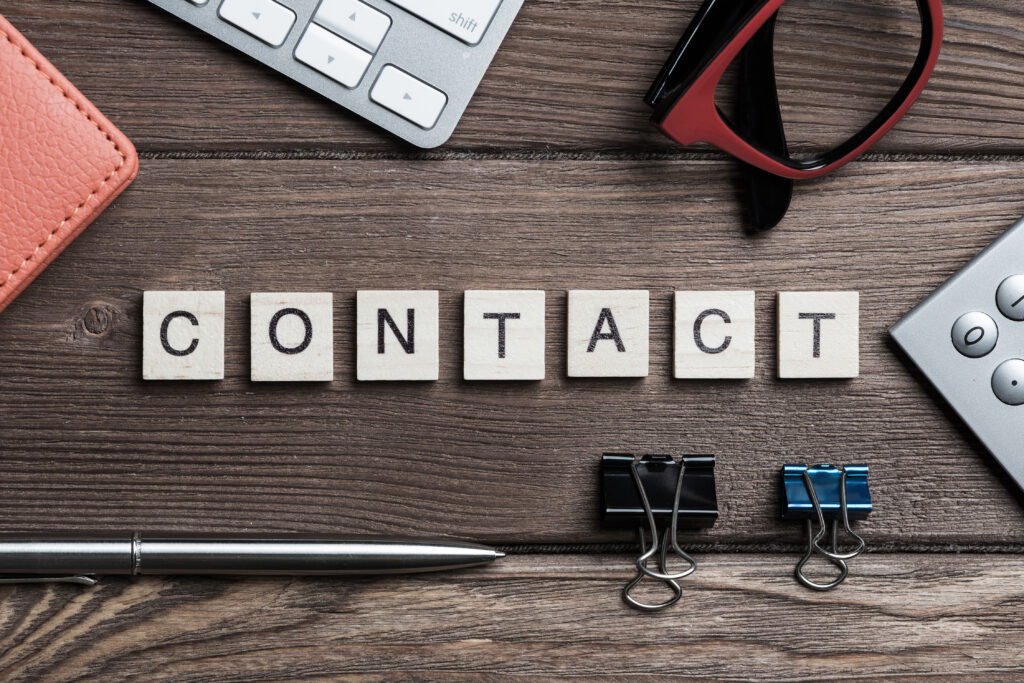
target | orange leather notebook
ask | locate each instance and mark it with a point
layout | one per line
(61, 162)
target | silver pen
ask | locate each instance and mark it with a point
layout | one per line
(77, 559)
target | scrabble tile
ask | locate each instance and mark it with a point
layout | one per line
(608, 333)
(819, 334)
(292, 337)
(183, 335)
(503, 334)
(396, 335)
(714, 335)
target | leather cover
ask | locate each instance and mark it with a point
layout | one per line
(61, 162)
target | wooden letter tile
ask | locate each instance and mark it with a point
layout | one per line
(503, 335)
(818, 334)
(608, 333)
(714, 335)
(396, 335)
(183, 335)
(292, 337)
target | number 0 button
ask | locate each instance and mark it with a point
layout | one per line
(975, 334)
(1010, 297)
(1008, 382)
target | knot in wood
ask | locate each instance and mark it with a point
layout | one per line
(97, 320)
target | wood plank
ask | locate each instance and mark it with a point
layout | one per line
(85, 443)
(743, 618)
(569, 79)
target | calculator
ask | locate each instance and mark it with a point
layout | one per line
(409, 66)
(968, 339)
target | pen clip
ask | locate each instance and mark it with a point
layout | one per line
(81, 579)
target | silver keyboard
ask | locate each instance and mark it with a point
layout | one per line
(410, 66)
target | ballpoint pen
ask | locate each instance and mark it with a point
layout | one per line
(70, 559)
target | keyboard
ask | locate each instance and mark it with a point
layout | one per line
(409, 66)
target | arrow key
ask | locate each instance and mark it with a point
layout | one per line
(267, 20)
(408, 96)
(332, 56)
(355, 21)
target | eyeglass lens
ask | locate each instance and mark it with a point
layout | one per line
(837, 65)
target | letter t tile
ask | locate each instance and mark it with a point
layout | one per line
(819, 334)
(503, 335)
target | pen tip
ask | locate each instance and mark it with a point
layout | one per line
(498, 554)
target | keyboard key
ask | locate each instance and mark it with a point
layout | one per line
(408, 97)
(465, 19)
(975, 334)
(355, 21)
(1008, 382)
(332, 56)
(1010, 297)
(265, 19)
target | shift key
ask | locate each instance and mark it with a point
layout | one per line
(465, 19)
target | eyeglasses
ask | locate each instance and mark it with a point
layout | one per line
(683, 98)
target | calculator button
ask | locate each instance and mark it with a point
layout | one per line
(198, 2)
(1008, 382)
(975, 334)
(408, 96)
(355, 21)
(1010, 297)
(332, 56)
(265, 19)
(465, 19)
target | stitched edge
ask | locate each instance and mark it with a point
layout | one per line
(99, 127)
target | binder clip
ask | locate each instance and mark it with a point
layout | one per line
(653, 489)
(825, 492)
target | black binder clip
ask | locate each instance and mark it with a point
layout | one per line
(825, 492)
(659, 488)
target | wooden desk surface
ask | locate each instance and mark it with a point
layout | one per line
(553, 180)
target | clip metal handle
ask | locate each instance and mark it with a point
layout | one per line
(677, 591)
(814, 539)
(844, 570)
(670, 535)
(844, 513)
(669, 540)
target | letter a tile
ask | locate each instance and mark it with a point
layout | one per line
(608, 333)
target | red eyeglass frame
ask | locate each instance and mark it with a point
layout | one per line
(692, 115)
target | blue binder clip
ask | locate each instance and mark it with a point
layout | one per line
(825, 492)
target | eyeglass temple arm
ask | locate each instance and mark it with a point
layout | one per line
(759, 119)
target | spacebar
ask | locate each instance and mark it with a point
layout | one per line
(465, 19)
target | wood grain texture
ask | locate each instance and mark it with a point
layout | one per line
(742, 618)
(86, 443)
(554, 180)
(569, 79)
